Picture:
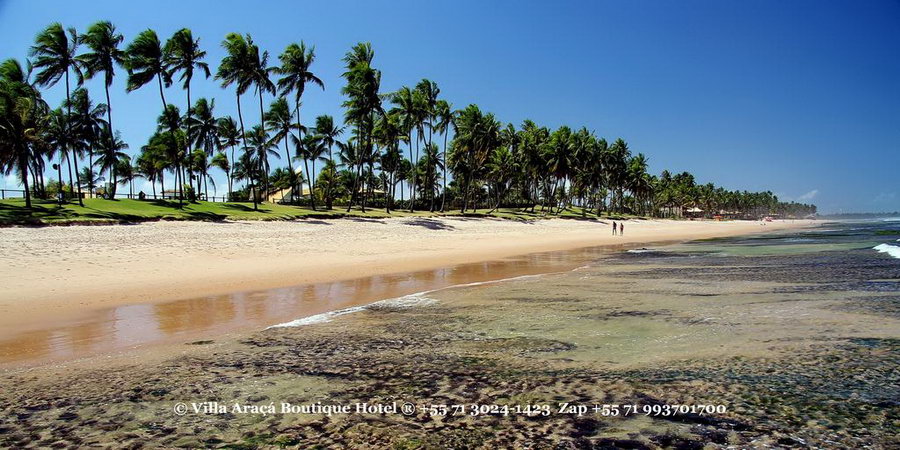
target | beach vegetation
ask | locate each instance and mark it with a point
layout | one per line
(407, 149)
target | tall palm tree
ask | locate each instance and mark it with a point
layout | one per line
(279, 121)
(329, 132)
(220, 161)
(295, 64)
(88, 127)
(475, 135)
(261, 146)
(108, 157)
(183, 54)
(126, 174)
(443, 119)
(203, 129)
(57, 136)
(310, 149)
(409, 106)
(363, 102)
(151, 162)
(203, 126)
(22, 116)
(229, 137)
(236, 69)
(103, 41)
(54, 56)
(145, 60)
(259, 72)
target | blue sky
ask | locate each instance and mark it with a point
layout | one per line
(800, 97)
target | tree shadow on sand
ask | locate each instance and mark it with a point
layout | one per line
(431, 224)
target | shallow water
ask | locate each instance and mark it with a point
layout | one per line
(704, 298)
(132, 326)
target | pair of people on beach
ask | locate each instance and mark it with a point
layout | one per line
(621, 229)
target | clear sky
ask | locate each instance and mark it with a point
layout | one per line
(799, 97)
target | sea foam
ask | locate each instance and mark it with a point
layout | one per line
(891, 250)
(406, 301)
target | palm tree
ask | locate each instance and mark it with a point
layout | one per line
(108, 157)
(173, 137)
(229, 136)
(200, 164)
(151, 162)
(88, 126)
(409, 107)
(259, 71)
(183, 54)
(22, 115)
(57, 137)
(236, 69)
(89, 176)
(126, 174)
(279, 120)
(328, 132)
(443, 119)
(431, 162)
(220, 161)
(203, 127)
(295, 63)
(145, 60)
(261, 146)
(311, 149)
(475, 135)
(364, 101)
(103, 41)
(54, 55)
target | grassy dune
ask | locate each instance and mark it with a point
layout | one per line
(13, 212)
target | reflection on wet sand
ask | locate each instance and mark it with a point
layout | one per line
(131, 326)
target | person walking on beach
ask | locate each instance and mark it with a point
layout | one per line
(614, 228)
(622, 229)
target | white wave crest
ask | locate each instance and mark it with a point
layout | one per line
(891, 250)
(406, 301)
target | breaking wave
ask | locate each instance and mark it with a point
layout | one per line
(891, 250)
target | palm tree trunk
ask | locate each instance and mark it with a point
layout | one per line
(300, 135)
(228, 174)
(412, 195)
(68, 116)
(244, 139)
(59, 172)
(187, 128)
(312, 188)
(287, 154)
(308, 182)
(112, 140)
(444, 191)
(23, 169)
(328, 190)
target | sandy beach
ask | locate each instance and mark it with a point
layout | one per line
(56, 272)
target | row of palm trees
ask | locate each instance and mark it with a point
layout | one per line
(396, 139)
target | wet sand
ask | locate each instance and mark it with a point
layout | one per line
(78, 291)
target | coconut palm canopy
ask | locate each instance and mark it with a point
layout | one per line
(400, 148)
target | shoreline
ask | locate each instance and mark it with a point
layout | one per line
(160, 262)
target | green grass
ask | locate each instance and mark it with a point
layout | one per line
(97, 211)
